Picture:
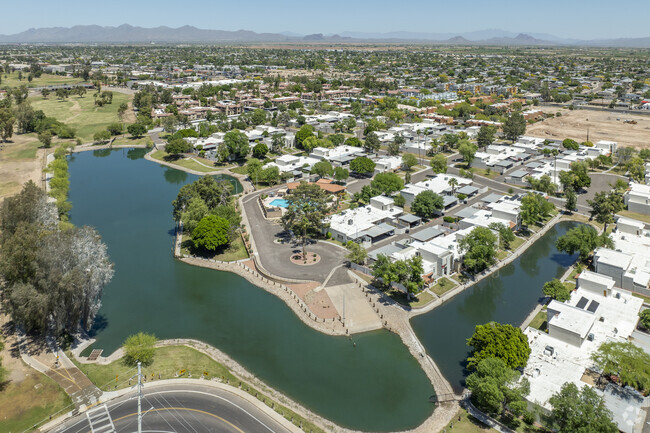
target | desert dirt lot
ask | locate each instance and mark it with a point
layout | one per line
(602, 126)
(20, 161)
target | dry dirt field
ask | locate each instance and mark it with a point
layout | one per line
(20, 161)
(602, 126)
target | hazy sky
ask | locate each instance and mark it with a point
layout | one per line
(589, 19)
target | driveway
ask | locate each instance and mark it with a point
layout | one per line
(274, 257)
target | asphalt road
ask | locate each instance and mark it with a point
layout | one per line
(183, 408)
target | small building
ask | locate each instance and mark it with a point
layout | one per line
(637, 198)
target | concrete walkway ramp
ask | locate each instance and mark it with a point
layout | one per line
(351, 303)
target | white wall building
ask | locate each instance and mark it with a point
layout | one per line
(637, 198)
(438, 183)
(365, 223)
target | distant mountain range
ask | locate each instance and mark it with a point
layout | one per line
(189, 34)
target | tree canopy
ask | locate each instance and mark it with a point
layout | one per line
(51, 280)
(387, 183)
(535, 208)
(407, 272)
(306, 209)
(577, 177)
(479, 248)
(580, 411)
(237, 143)
(211, 233)
(495, 387)
(605, 205)
(495, 340)
(555, 289)
(628, 362)
(514, 126)
(439, 163)
(139, 348)
(426, 204)
(582, 239)
(362, 165)
(468, 150)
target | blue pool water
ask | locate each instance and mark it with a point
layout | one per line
(280, 202)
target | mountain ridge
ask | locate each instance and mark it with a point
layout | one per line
(127, 33)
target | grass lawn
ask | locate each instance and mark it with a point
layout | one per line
(235, 251)
(467, 424)
(30, 401)
(161, 155)
(44, 80)
(502, 254)
(572, 275)
(130, 141)
(81, 113)
(422, 299)
(169, 362)
(442, 286)
(539, 321)
(634, 215)
(514, 245)
(239, 169)
(483, 172)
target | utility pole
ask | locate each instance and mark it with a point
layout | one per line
(139, 397)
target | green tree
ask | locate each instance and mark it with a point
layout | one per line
(571, 199)
(570, 144)
(393, 148)
(582, 239)
(496, 387)
(645, 318)
(427, 204)
(177, 146)
(237, 143)
(439, 163)
(341, 174)
(207, 188)
(371, 144)
(505, 234)
(362, 165)
(310, 143)
(580, 411)
(322, 168)
(353, 141)
(495, 340)
(7, 121)
(357, 253)
(485, 135)
(303, 133)
(115, 128)
(605, 205)
(270, 175)
(306, 209)
(258, 117)
(399, 200)
(555, 289)
(137, 129)
(468, 150)
(409, 161)
(101, 136)
(260, 150)
(479, 248)
(577, 177)
(196, 210)
(211, 233)
(535, 208)
(387, 183)
(139, 348)
(514, 126)
(625, 360)
(45, 138)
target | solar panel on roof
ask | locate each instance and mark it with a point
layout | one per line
(582, 302)
(593, 306)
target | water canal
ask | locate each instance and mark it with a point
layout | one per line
(506, 296)
(375, 386)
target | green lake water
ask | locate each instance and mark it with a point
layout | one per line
(375, 386)
(507, 296)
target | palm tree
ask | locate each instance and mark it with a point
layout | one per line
(453, 183)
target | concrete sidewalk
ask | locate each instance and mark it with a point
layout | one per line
(354, 308)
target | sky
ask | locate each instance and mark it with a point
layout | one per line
(578, 19)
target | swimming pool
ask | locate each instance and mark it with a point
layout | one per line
(279, 202)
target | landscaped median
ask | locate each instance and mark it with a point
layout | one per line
(183, 362)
